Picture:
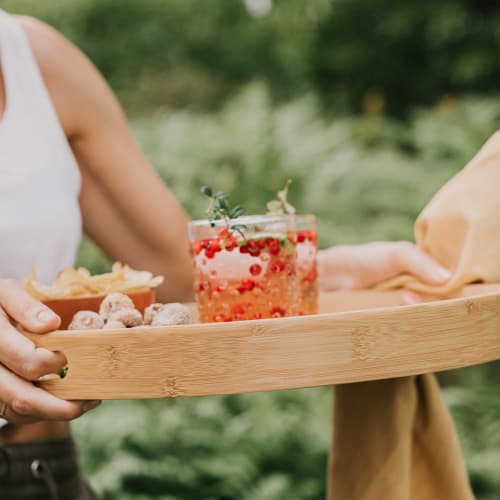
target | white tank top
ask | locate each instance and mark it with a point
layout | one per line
(40, 220)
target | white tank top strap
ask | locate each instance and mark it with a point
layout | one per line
(22, 78)
(40, 219)
(27, 95)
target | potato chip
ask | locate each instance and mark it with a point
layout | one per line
(79, 282)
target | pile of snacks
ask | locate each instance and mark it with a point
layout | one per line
(79, 282)
(117, 311)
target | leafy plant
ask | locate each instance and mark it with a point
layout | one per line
(375, 55)
(281, 205)
(220, 209)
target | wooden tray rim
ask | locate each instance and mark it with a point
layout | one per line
(328, 348)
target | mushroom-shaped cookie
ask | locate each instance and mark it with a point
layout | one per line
(113, 324)
(151, 311)
(86, 320)
(128, 317)
(114, 302)
(172, 314)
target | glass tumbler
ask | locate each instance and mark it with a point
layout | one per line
(245, 268)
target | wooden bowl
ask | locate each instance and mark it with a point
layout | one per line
(66, 308)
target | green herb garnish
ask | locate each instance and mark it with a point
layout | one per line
(281, 205)
(219, 208)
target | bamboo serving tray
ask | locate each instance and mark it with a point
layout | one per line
(359, 336)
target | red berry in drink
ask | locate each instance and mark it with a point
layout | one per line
(311, 276)
(197, 247)
(246, 286)
(224, 234)
(253, 248)
(255, 269)
(215, 245)
(277, 267)
(313, 237)
(277, 312)
(237, 309)
(274, 247)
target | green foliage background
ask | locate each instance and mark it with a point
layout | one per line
(178, 53)
(370, 107)
(366, 178)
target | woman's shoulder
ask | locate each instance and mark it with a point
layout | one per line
(62, 65)
(51, 49)
(44, 39)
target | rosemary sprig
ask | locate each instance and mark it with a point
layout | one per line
(281, 206)
(219, 208)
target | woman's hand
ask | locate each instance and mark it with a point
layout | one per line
(22, 363)
(364, 266)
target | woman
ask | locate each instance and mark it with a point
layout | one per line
(67, 158)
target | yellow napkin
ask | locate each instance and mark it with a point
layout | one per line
(460, 227)
(394, 439)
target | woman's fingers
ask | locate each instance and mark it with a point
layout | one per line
(17, 352)
(411, 260)
(22, 357)
(21, 361)
(23, 308)
(28, 403)
(409, 298)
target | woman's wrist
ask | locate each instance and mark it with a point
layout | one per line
(335, 269)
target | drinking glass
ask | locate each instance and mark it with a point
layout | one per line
(245, 268)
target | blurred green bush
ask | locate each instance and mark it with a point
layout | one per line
(268, 446)
(366, 178)
(411, 52)
(356, 55)
(184, 52)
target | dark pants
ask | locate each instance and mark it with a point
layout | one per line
(42, 470)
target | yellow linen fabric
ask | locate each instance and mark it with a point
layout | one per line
(460, 227)
(394, 439)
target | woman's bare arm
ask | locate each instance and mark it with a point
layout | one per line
(127, 209)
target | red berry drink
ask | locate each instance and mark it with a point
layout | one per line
(247, 273)
(307, 274)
